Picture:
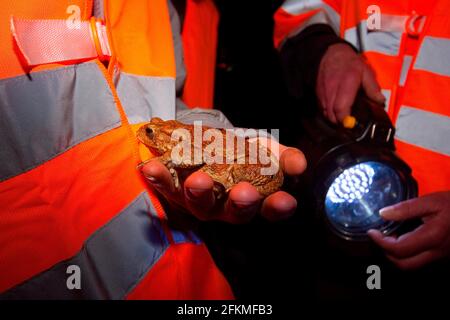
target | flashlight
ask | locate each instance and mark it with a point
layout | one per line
(353, 170)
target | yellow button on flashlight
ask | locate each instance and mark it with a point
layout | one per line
(349, 122)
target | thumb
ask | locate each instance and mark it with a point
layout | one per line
(371, 86)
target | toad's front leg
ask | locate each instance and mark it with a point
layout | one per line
(166, 160)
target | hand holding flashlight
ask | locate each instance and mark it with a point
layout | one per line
(427, 243)
(341, 73)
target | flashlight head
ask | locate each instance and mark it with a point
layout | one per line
(356, 194)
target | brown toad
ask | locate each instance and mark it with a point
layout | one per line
(226, 158)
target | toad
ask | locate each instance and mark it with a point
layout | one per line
(228, 158)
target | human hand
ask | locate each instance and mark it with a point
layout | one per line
(341, 73)
(429, 242)
(197, 197)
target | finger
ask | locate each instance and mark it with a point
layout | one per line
(371, 86)
(199, 195)
(278, 206)
(331, 89)
(328, 82)
(410, 209)
(320, 89)
(415, 262)
(346, 95)
(159, 176)
(243, 203)
(292, 161)
(410, 244)
(323, 96)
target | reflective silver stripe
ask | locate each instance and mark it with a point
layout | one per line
(387, 94)
(328, 16)
(424, 129)
(146, 97)
(378, 41)
(405, 69)
(50, 112)
(112, 261)
(434, 56)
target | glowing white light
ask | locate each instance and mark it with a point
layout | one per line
(352, 184)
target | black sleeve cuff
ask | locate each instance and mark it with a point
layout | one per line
(301, 55)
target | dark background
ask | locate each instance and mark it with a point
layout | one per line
(293, 259)
(249, 82)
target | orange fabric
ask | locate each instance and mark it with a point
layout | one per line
(422, 7)
(48, 212)
(380, 62)
(11, 64)
(430, 169)
(141, 36)
(429, 91)
(197, 276)
(199, 45)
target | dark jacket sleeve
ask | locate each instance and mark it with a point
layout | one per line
(301, 55)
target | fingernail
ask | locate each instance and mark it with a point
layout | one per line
(197, 194)
(387, 212)
(155, 183)
(151, 179)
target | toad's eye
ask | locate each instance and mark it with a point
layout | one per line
(149, 132)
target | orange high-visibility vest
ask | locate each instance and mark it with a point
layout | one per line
(77, 220)
(199, 38)
(410, 52)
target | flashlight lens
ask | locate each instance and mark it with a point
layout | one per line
(355, 197)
